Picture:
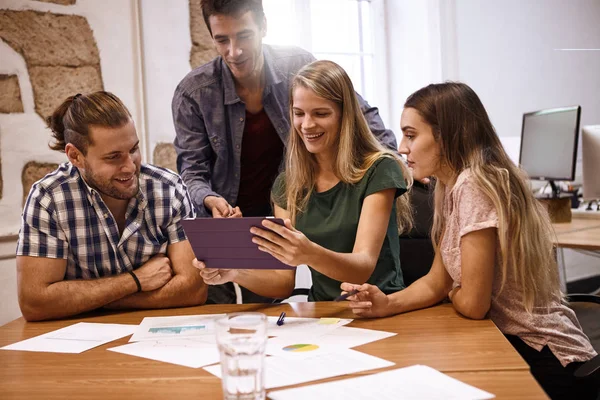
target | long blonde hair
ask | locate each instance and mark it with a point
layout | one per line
(357, 147)
(467, 140)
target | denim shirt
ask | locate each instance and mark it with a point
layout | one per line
(209, 119)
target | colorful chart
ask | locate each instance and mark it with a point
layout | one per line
(297, 348)
(177, 329)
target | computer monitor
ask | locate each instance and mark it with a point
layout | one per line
(590, 144)
(549, 144)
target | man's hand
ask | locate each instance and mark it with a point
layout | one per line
(220, 208)
(155, 273)
(369, 302)
(212, 276)
(237, 213)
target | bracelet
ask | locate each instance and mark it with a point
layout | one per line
(137, 281)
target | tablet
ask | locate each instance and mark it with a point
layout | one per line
(226, 243)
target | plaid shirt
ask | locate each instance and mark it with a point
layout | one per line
(65, 218)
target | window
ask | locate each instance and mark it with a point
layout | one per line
(344, 31)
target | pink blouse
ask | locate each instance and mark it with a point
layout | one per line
(468, 209)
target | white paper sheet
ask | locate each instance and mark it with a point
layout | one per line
(280, 371)
(187, 352)
(75, 338)
(304, 327)
(348, 337)
(178, 326)
(417, 382)
(294, 347)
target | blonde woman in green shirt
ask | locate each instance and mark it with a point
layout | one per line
(337, 197)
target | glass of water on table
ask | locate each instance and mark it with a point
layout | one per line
(242, 338)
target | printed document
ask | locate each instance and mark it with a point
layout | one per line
(75, 338)
(415, 382)
(280, 371)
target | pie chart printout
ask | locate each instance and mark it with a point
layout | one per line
(297, 348)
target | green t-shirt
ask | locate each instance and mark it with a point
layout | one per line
(331, 220)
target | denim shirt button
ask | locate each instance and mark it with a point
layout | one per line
(237, 146)
(241, 119)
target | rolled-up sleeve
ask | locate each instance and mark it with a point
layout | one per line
(193, 148)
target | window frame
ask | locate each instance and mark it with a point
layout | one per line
(380, 78)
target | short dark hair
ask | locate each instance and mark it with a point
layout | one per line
(71, 121)
(233, 8)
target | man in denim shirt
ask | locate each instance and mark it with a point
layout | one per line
(232, 119)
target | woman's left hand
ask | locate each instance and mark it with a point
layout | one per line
(285, 243)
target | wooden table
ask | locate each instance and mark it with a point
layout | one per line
(472, 351)
(585, 239)
(578, 234)
(504, 384)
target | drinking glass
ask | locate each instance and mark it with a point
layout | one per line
(241, 338)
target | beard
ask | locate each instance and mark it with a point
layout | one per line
(107, 186)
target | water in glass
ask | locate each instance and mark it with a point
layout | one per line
(242, 348)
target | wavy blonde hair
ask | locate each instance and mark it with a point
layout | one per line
(357, 147)
(467, 140)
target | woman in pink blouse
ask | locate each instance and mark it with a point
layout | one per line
(494, 253)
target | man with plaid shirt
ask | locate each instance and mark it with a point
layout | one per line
(103, 230)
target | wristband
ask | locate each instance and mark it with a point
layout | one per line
(137, 281)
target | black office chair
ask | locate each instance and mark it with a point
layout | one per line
(587, 308)
(296, 292)
(416, 249)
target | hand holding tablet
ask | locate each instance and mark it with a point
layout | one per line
(226, 243)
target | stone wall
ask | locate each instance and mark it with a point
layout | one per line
(164, 155)
(61, 57)
(10, 95)
(60, 52)
(33, 172)
(203, 49)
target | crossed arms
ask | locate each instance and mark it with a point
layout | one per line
(166, 280)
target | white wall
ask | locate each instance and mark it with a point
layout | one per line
(414, 56)
(504, 50)
(9, 307)
(166, 53)
(507, 52)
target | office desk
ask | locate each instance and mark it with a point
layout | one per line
(473, 351)
(584, 239)
(576, 225)
(578, 234)
(504, 384)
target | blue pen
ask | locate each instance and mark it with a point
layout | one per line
(346, 295)
(280, 319)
